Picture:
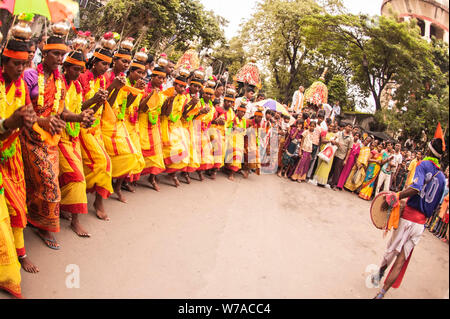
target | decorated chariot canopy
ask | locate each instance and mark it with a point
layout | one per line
(249, 75)
(189, 60)
(317, 93)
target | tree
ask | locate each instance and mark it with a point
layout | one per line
(278, 34)
(337, 91)
(157, 24)
(379, 51)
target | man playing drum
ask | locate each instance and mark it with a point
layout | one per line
(423, 198)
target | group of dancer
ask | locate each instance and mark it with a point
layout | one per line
(73, 126)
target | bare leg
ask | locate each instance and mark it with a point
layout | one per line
(231, 175)
(77, 228)
(118, 190)
(27, 265)
(99, 209)
(174, 178)
(152, 180)
(187, 177)
(213, 173)
(396, 268)
(200, 175)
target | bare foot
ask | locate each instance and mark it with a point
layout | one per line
(120, 197)
(231, 177)
(127, 187)
(27, 265)
(213, 174)
(245, 173)
(187, 177)
(99, 209)
(66, 215)
(152, 181)
(176, 181)
(78, 229)
(200, 176)
(279, 174)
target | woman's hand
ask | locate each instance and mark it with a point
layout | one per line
(87, 118)
(23, 116)
(119, 82)
(140, 84)
(52, 124)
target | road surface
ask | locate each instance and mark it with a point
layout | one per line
(264, 237)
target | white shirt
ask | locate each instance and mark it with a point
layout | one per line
(327, 108)
(298, 96)
(336, 111)
(398, 158)
(167, 84)
(37, 57)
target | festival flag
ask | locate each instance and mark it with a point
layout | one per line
(439, 134)
(54, 10)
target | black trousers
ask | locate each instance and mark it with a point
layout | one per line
(336, 169)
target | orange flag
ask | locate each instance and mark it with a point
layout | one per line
(439, 134)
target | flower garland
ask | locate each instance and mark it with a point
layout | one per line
(92, 87)
(8, 153)
(2, 189)
(177, 117)
(73, 129)
(41, 84)
(121, 115)
(133, 110)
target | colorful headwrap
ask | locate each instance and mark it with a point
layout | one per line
(76, 58)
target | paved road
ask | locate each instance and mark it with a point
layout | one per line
(264, 237)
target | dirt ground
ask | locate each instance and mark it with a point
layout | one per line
(264, 237)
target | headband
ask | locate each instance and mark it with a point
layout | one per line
(229, 98)
(240, 108)
(158, 73)
(103, 57)
(75, 61)
(19, 55)
(137, 65)
(180, 82)
(435, 153)
(122, 56)
(198, 83)
(258, 113)
(55, 46)
(208, 90)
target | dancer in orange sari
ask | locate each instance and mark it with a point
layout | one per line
(151, 108)
(71, 177)
(97, 165)
(16, 111)
(41, 162)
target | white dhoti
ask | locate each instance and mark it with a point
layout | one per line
(406, 236)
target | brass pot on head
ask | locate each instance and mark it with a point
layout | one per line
(184, 72)
(60, 28)
(21, 30)
(127, 44)
(141, 55)
(199, 74)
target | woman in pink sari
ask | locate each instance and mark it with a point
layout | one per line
(350, 161)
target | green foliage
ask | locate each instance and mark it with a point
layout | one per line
(337, 91)
(157, 24)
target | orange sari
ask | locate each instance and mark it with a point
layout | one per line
(41, 165)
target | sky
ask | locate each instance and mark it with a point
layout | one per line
(235, 11)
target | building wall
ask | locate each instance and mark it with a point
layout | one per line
(432, 15)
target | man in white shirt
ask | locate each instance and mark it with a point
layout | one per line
(246, 101)
(297, 100)
(336, 110)
(396, 161)
(328, 109)
(168, 83)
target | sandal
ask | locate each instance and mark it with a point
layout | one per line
(380, 295)
(48, 242)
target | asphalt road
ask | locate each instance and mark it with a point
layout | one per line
(264, 237)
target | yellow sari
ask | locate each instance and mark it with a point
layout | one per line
(131, 117)
(235, 145)
(207, 158)
(96, 161)
(150, 135)
(71, 177)
(174, 137)
(219, 136)
(193, 133)
(124, 155)
(9, 262)
(362, 159)
(368, 185)
(12, 168)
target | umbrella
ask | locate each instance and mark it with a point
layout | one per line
(273, 105)
(54, 10)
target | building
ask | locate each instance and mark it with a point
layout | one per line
(431, 15)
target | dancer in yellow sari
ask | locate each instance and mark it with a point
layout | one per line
(205, 116)
(16, 111)
(96, 161)
(9, 263)
(220, 130)
(124, 155)
(71, 177)
(354, 182)
(135, 79)
(235, 144)
(373, 170)
(324, 168)
(191, 126)
(150, 127)
(173, 134)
